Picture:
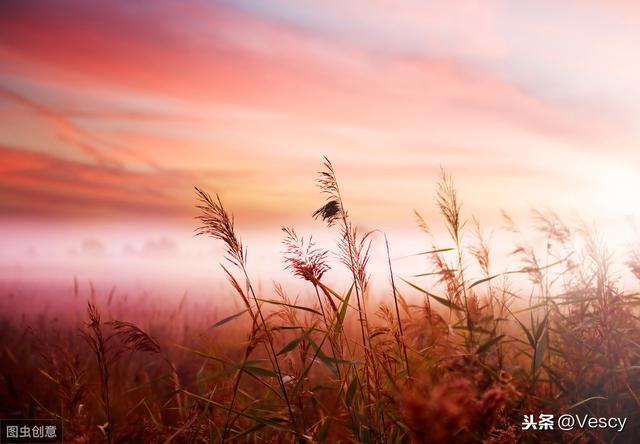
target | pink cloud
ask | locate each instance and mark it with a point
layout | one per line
(254, 102)
(242, 60)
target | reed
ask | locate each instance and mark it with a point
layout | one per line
(456, 354)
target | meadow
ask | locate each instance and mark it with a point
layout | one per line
(464, 360)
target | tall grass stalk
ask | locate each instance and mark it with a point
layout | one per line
(217, 223)
(355, 256)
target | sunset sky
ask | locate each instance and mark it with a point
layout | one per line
(110, 112)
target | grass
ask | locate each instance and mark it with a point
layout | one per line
(463, 365)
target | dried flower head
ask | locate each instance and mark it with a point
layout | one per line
(303, 258)
(332, 210)
(134, 338)
(217, 223)
(633, 262)
(355, 252)
(449, 205)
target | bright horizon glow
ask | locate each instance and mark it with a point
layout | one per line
(617, 190)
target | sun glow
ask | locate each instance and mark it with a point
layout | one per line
(616, 191)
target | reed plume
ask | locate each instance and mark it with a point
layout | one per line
(217, 223)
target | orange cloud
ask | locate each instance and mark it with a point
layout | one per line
(41, 184)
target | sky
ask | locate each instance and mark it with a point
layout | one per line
(110, 113)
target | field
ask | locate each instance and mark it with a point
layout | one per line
(467, 363)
